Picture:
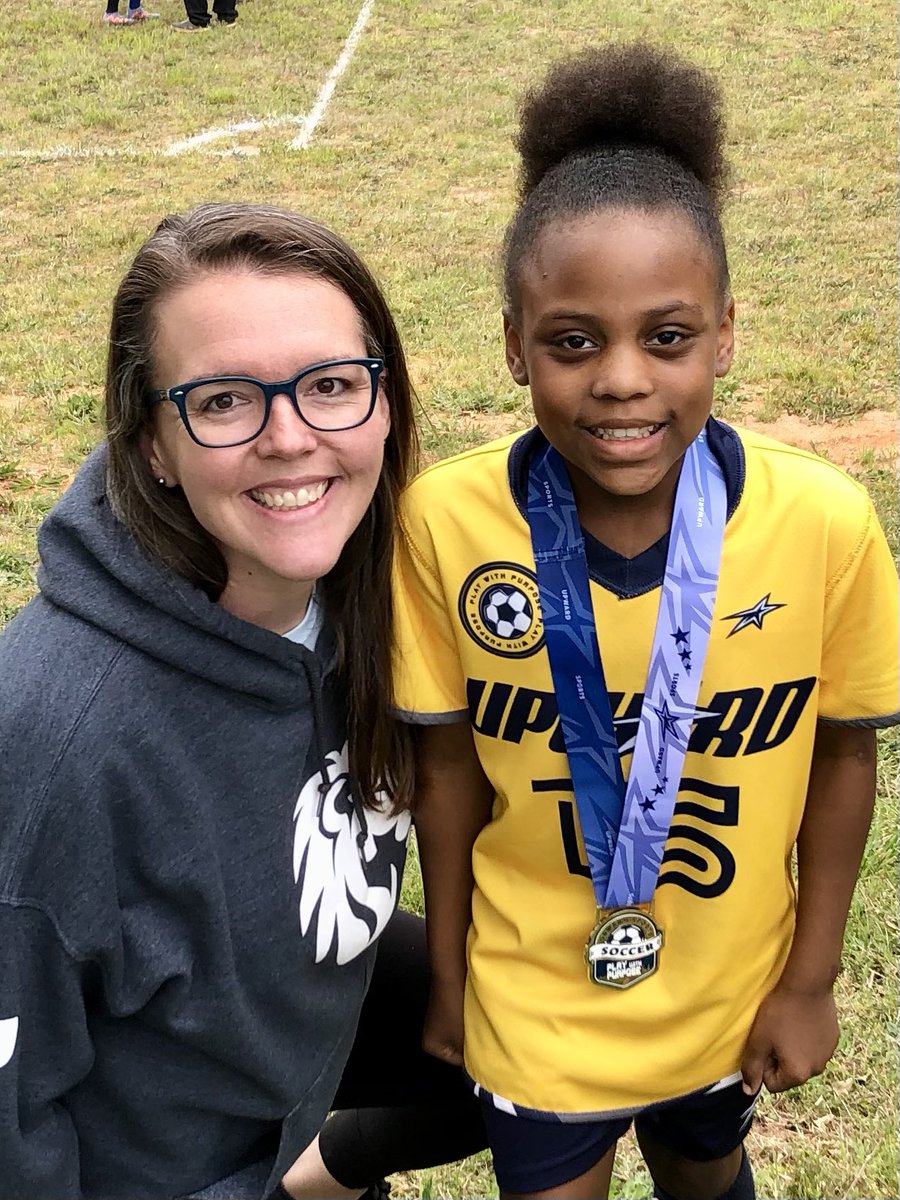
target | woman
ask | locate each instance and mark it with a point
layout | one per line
(203, 796)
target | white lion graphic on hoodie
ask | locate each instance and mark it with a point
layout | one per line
(348, 910)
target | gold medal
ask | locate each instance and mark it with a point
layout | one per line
(623, 948)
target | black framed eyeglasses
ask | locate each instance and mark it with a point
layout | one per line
(229, 410)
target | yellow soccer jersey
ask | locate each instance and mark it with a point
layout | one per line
(804, 629)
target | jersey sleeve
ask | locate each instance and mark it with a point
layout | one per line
(859, 672)
(44, 1052)
(429, 687)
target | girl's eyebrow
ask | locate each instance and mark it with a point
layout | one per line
(665, 310)
(567, 314)
(651, 314)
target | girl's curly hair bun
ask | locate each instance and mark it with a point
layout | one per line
(633, 94)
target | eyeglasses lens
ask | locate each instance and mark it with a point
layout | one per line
(228, 411)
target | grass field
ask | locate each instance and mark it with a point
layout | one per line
(412, 161)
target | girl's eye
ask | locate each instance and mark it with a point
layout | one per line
(668, 337)
(575, 341)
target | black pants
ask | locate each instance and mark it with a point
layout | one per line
(398, 1109)
(198, 11)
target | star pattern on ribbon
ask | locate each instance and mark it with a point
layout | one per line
(668, 720)
(625, 826)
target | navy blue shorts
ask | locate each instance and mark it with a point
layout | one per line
(532, 1155)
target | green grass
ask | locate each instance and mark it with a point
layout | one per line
(413, 162)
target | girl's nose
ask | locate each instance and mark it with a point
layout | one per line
(285, 435)
(624, 372)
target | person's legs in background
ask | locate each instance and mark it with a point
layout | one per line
(197, 16)
(138, 13)
(226, 11)
(112, 16)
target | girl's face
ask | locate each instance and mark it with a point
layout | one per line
(237, 322)
(621, 336)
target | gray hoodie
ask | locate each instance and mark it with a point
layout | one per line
(189, 893)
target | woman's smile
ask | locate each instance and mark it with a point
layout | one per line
(283, 499)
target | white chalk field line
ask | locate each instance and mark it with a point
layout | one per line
(214, 135)
(302, 140)
(307, 122)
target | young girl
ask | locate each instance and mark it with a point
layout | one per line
(203, 791)
(636, 951)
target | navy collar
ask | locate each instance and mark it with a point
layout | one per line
(630, 577)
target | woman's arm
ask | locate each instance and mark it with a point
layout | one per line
(796, 1029)
(453, 804)
(44, 1052)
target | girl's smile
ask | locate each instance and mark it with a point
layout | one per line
(625, 442)
(621, 333)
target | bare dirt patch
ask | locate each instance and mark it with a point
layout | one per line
(870, 439)
(486, 426)
(31, 459)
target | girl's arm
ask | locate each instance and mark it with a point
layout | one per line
(796, 1030)
(453, 804)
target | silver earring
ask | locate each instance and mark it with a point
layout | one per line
(161, 481)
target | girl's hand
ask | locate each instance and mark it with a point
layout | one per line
(792, 1038)
(442, 1035)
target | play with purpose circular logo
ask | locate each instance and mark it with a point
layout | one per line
(500, 610)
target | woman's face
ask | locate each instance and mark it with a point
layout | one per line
(238, 322)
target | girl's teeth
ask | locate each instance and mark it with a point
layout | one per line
(298, 499)
(624, 434)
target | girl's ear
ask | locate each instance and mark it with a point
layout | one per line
(515, 359)
(725, 347)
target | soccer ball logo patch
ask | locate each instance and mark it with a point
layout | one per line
(508, 612)
(500, 610)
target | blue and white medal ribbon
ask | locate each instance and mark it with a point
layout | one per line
(625, 828)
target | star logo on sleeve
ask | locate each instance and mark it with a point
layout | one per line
(754, 615)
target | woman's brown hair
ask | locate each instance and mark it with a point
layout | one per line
(356, 593)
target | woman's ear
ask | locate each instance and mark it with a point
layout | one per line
(515, 358)
(153, 454)
(384, 404)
